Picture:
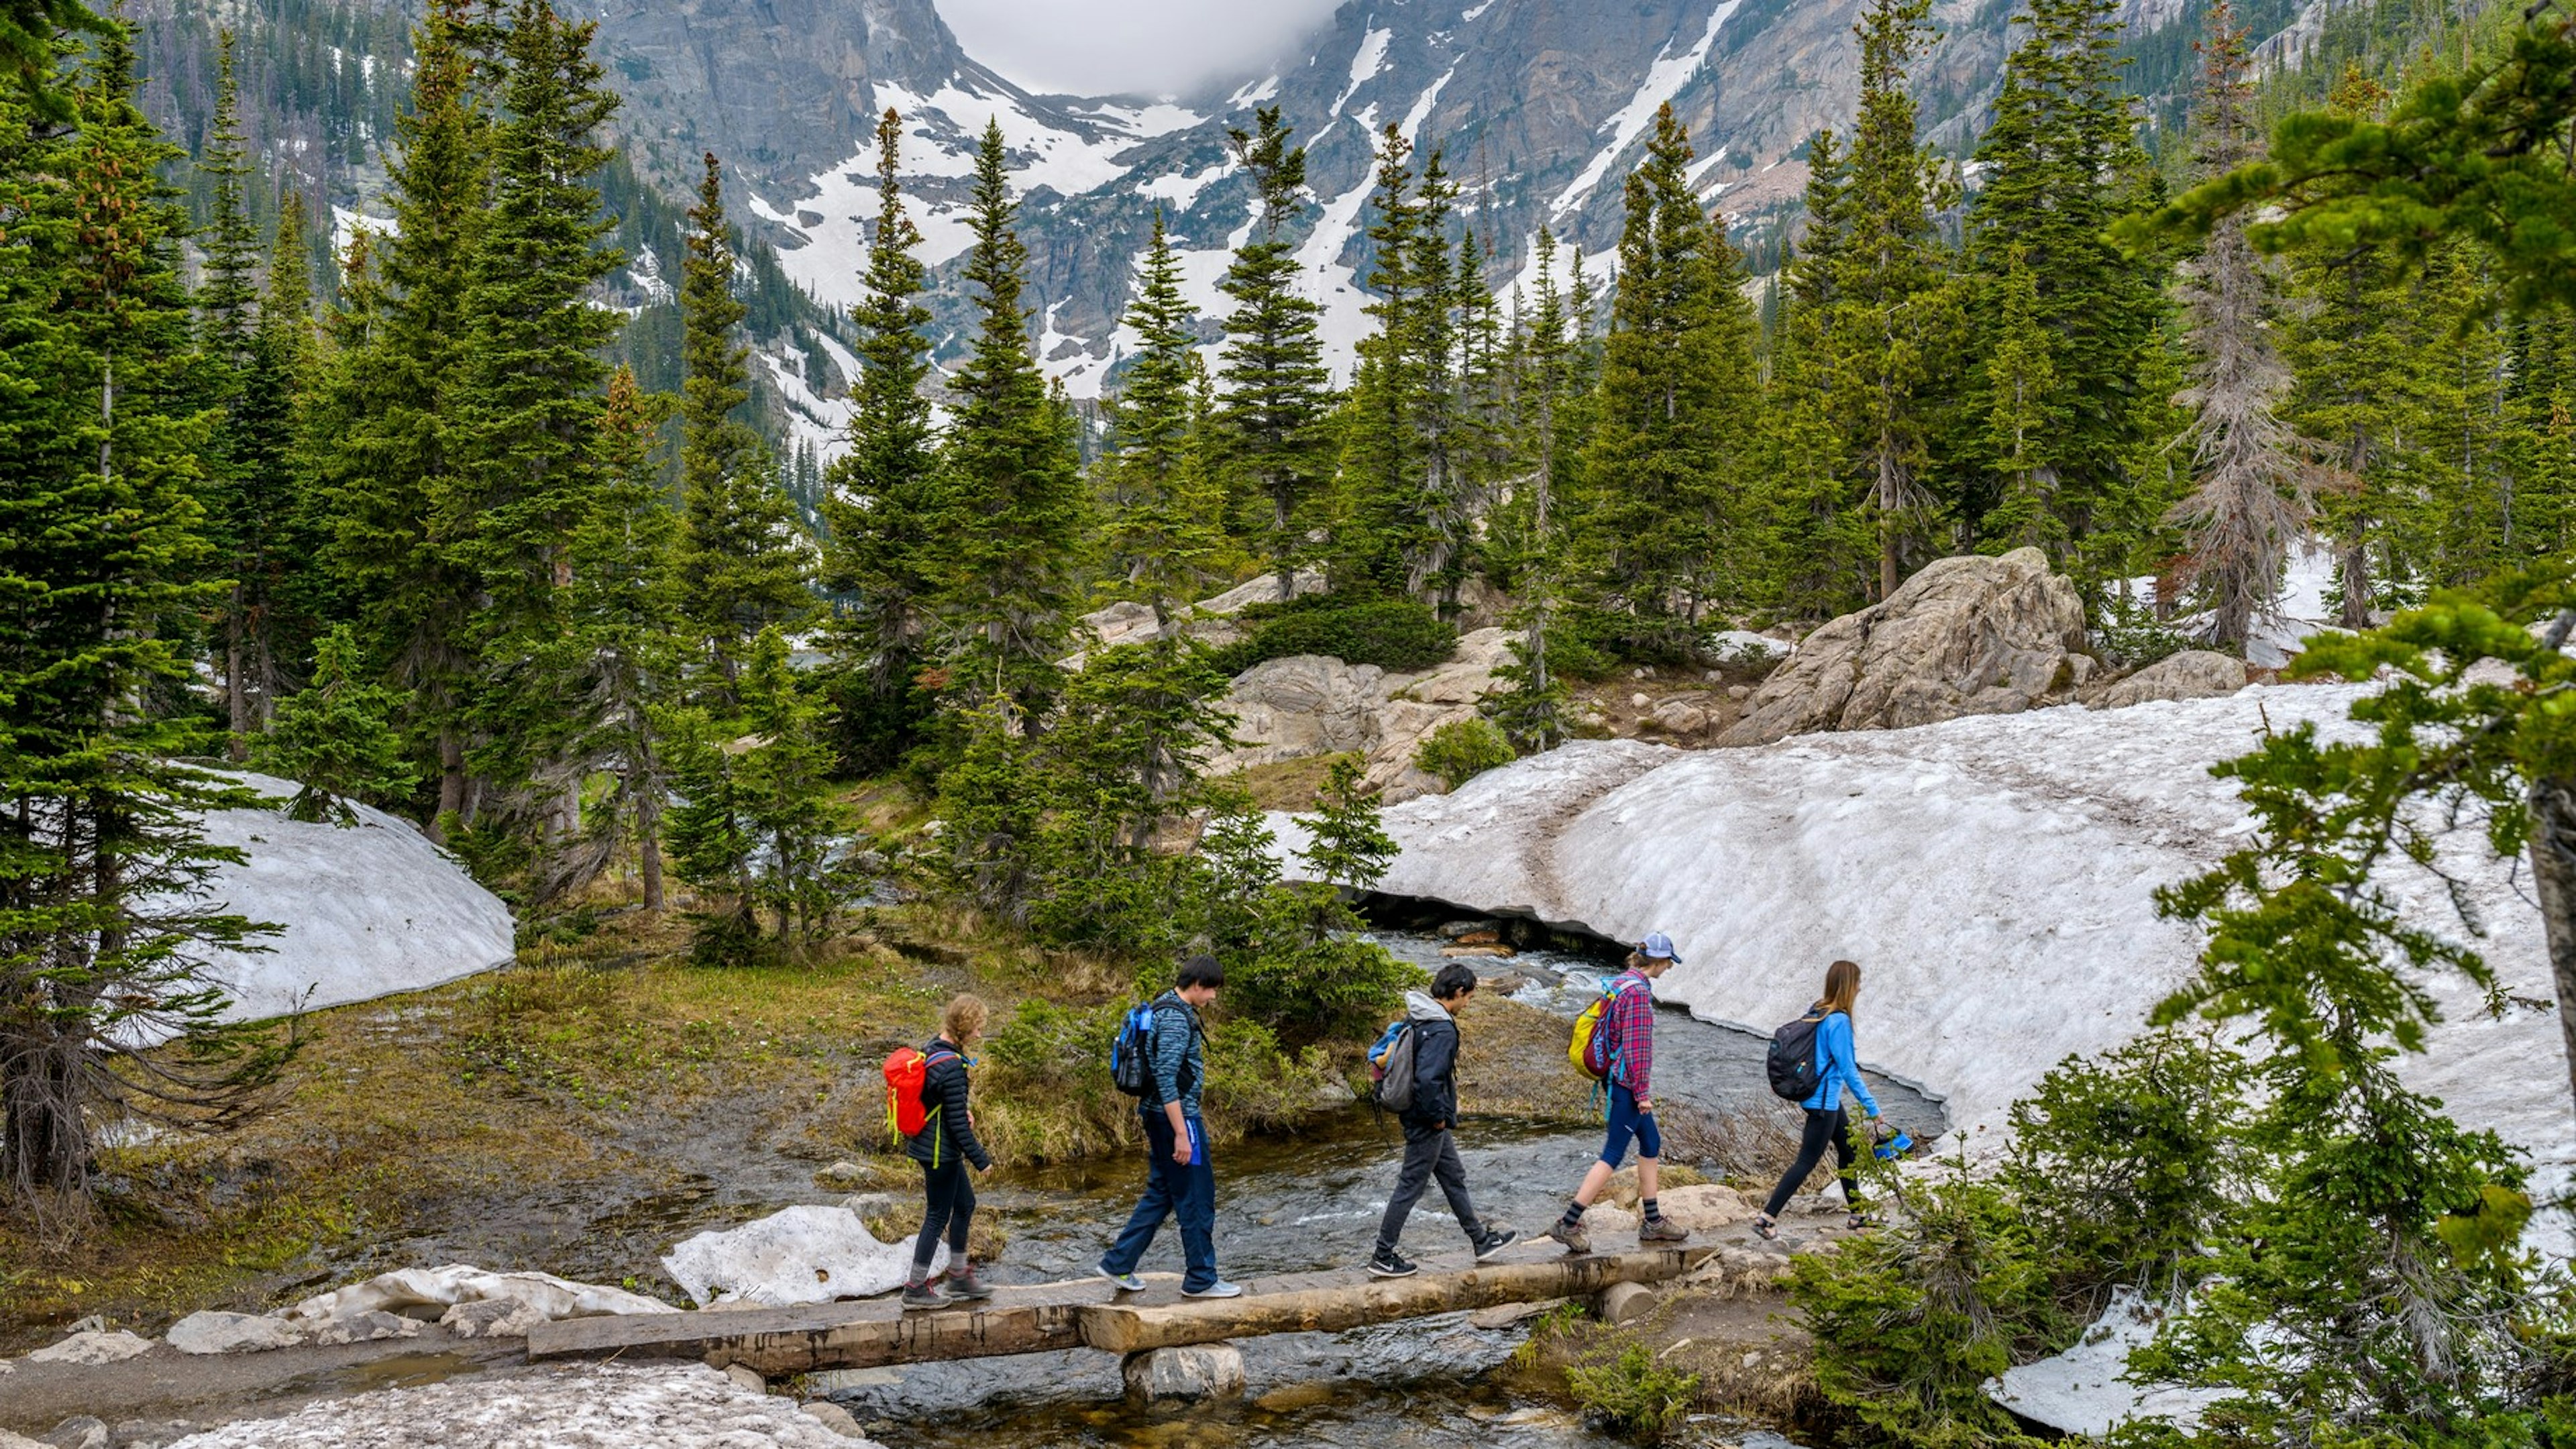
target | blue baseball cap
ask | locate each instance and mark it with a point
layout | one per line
(1659, 947)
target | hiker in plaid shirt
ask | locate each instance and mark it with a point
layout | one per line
(1630, 1022)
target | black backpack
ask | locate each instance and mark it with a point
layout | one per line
(1792, 1062)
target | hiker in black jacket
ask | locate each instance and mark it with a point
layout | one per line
(1430, 1122)
(944, 1146)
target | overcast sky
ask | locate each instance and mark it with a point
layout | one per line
(1148, 46)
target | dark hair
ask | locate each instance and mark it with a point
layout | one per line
(1202, 971)
(1455, 980)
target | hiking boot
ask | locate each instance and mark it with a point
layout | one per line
(1494, 1240)
(1661, 1230)
(1218, 1289)
(1123, 1282)
(922, 1295)
(1576, 1240)
(1388, 1263)
(967, 1287)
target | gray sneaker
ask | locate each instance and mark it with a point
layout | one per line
(922, 1295)
(1218, 1289)
(1123, 1282)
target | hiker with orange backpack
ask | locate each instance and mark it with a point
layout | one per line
(926, 1100)
(1615, 1042)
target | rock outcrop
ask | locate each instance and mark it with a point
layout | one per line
(2191, 674)
(1309, 705)
(1966, 636)
(1210, 621)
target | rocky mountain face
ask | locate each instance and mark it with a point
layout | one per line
(1539, 108)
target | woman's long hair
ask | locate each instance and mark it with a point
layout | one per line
(1842, 988)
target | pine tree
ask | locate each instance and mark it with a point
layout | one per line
(1544, 429)
(745, 564)
(527, 412)
(2252, 502)
(1887, 317)
(624, 637)
(388, 445)
(1011, 468)
(2061, 164)
(227, 300)
(1276, 390)
(105, 920)
(883, 504)
(1664, 520)
(2023, 410)
(336, 738)
(1166, 514)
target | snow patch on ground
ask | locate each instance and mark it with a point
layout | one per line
(610, 1406)
(373, 910)
(1664, 80)
(2081, 1390)
(1182, 192)
(797, 1256)
(1366, 63)
(1994, 876)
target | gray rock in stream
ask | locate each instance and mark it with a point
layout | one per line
(1185, 1375)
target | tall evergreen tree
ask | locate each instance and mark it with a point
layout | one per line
(1011, 468)
(528, 408)
(1276, 390)
(1888, 315)
(1166, 512)
(2061, 164)
(746, 562)
(1676, 409)
(228, 299)
(2252, 502)
(389, 454)
(105, 924)
(1546, 431)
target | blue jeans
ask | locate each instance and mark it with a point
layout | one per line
(1626, 1122)
(1172, 1190)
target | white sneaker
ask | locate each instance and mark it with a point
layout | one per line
(1218, 1289)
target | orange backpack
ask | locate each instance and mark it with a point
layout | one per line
(907, 1071)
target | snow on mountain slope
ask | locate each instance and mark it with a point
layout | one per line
(1994, 877)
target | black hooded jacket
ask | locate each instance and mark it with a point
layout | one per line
(949, 1135)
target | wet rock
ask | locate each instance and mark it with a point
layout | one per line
(747, 1378)
(1966, 636)
(141, 1434)
(1184, 1375)
(851, 1381)
(1461, 930)
(93, 1347)
(490, 1318)
(211, 1332)
(835, 1418)
(1478, 938)
(81, 1433)
(1621, 1304)
(2192, 674)
(1495, 953)
(375, 1325)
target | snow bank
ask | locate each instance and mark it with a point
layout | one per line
(798, 1256)
(543, 1293)
(1994, 876)
(660, 1406)
(371, 910)
(2081, 1391)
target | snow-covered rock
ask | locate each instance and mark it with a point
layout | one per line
(1965, 636)
(371, 910)
(797, 1256)
(212, 1332)
(94, 1346)
(543, 1293)
(1994, 876)
(630, 1406)
(2191, 674)
(2081, 1391)
(491, 1318)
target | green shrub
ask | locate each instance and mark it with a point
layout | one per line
(1633, 1392)
(1313, 990)
(1912, 1320)
(1463, 749)
(1395, 634)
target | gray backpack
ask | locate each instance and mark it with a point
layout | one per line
(1391, 1062)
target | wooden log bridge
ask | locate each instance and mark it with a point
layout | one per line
(777, 1342)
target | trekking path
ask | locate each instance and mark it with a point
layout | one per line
(1085, 1313)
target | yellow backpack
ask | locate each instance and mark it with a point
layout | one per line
(1592, 1051)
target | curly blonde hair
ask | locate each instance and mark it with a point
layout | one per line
(964, 1019)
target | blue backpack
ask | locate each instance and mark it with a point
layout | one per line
(1131, 1056)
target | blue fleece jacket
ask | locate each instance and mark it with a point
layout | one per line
(1837, 1067)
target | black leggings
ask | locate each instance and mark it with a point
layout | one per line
(950, 1198)
(1825, 1128)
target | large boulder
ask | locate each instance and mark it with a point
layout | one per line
(2192, 674)
(1966, 636)
(1309, 705)
(1185, 1375)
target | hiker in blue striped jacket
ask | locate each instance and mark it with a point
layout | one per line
(1180, 1175)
